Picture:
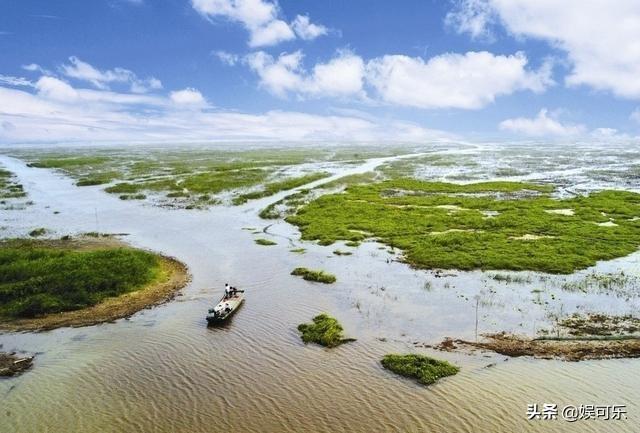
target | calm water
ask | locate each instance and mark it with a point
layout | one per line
(163, 370)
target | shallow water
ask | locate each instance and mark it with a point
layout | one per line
(163, 370)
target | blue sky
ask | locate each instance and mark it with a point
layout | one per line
(197, 70)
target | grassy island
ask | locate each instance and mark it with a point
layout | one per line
(489, 226)
(424, 369)
(324, 330)
(73, 282)
(317, 276)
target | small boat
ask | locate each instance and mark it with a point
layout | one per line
(225, 308)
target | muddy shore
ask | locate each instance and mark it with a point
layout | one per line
(568, 349)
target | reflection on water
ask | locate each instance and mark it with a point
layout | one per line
(163, 370)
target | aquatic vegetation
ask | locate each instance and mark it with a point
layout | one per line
(265, 242)
(424, 369)
(282, 185)
(179, 178)
(442, 225)
(9, 187)
(600, 325)
(298, 250)
(510, 278)
(317, 276)
(569, 349)
(37, 232)
(324, 330)
(342, 253)
(40, 277)
(619, 283)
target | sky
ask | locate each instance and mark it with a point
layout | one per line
(77, 71)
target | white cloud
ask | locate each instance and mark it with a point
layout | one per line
(342, 76)
(261, 18)
(83, 71)
(542, 125)
(58, 112)
(14, 81)
(468, 81)
(53, 88)
(474, 17)
(188, 97)
(227, 58)
(599, 37)
(306, 30)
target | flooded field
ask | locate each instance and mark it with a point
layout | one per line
(163, 370)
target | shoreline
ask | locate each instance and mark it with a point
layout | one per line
(570, 349)
(175, 277)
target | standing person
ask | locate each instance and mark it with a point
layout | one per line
(227, 290)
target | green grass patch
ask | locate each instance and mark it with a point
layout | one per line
(282, 185)
(324, 330)
(424, 369)
(41, 277)
(443, 225)
(9, 187)
(265, 242)
(317, 276)
(298, 250)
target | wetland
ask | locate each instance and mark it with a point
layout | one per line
(391, 231)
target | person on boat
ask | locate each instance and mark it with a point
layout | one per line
(227, 308)
(227, 290)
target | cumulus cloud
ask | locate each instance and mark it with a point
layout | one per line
(188, 97)
(542, 125)
(101, 79)
(340, 77)
(468, 81)
(601, 40)
(306, 30)
(261, 18)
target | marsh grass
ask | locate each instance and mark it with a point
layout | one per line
(265, 242)
(424, 369)
(317, 276)
(41, 277)
(9, 187)
(443, 226)
(282, 185)
(342, 253)
(324, 330)
(298, 250)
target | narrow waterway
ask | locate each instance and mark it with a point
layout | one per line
(163, 370)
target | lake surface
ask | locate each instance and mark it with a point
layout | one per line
(163, 370)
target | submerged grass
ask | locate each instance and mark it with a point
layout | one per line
(317, 276)
(265, 242)
(424, 369)
(324, 330)
(442, 225)
(41, 277)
